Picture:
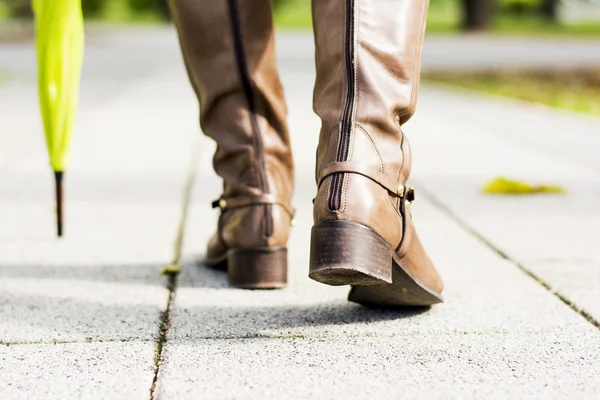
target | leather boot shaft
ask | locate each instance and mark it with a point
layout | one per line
(368, 56)
(229, 52)
(368, 65)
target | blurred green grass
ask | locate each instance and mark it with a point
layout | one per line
(444, 18)
(296, 14)
(120, 11)
(576, 90)
(3, 11)
(293, 14)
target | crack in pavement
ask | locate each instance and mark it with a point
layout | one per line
(173, 269)
(446, 210)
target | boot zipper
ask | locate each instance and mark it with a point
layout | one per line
(240, 57)
(335, 192)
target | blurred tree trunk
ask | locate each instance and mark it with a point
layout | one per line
(477, 14)
(20, 8)
(549, 10)
(164, 9)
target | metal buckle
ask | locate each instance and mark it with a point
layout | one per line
(220, 203)
(407, 194)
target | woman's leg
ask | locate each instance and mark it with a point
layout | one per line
(368, 64)
(228, 48)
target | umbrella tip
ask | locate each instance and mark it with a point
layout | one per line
(58, 178)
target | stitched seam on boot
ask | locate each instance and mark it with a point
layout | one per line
(381, 168)
(329, 135)
(400, 173)
(401, 204)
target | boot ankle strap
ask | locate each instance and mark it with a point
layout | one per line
(225, 203)
(367, 171)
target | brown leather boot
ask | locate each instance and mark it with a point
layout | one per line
(228, 47)
(368, 61)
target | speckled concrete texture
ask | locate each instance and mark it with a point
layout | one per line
(443, 366)
(112, 370)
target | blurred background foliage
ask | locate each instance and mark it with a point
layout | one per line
(573, 89)
(111, 10)
(445, 15)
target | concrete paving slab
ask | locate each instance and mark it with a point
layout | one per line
(576, 279)
(100, 282)
(562, 134)
(123, 208)
(540, 232)
(77, 371)
(452, 366)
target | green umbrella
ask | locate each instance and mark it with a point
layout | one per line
(59, 38)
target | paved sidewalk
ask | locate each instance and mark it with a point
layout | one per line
(82, 317)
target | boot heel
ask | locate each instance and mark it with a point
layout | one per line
(347, 253)
(258, 268)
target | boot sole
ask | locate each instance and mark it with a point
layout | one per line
(348, 253)
(254, 268)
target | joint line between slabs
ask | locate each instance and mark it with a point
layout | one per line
(165, 316)
(445, 209)
(9, 343)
